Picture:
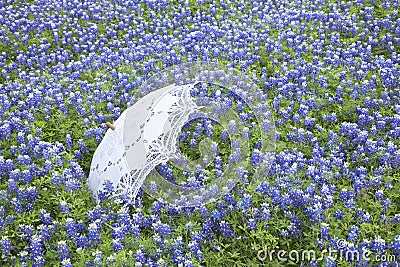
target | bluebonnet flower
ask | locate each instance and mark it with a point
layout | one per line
(38, 261)
(82, 241)
(232, 127)
(395, 246)
(378, 245)
(68, 141)
(64, 207)
(6, 245)
(350, 204)
(296, 118)
(246, 134)
(77, 154)
(71, 228)
(140, 257)
(264, 187)
(98, 258)
(45, 216)
(107, 190)
(309, 122)
(235, 156)
(36, 246)
(93, 231)
(193, 142)
(256, 157)
(82, 147)
(385, 204)
(229, 199)
(325, 231)
(332, 118)
(66, 263)
(24, 160)
(164, 230)
(225, 229)
(252, 224)
(62, 250)
(245, 202)
(72, 184)
(117, 245)
(353, 233)
(379, 195)
(195, 248)
(345, 195)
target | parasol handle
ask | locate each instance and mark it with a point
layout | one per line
(109, 125)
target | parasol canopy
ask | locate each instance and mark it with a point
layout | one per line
(140, 139)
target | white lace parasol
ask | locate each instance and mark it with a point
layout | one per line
(143, 137)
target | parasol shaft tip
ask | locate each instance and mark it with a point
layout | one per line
(109, 125)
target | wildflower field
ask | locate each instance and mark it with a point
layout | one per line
(330, 74)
